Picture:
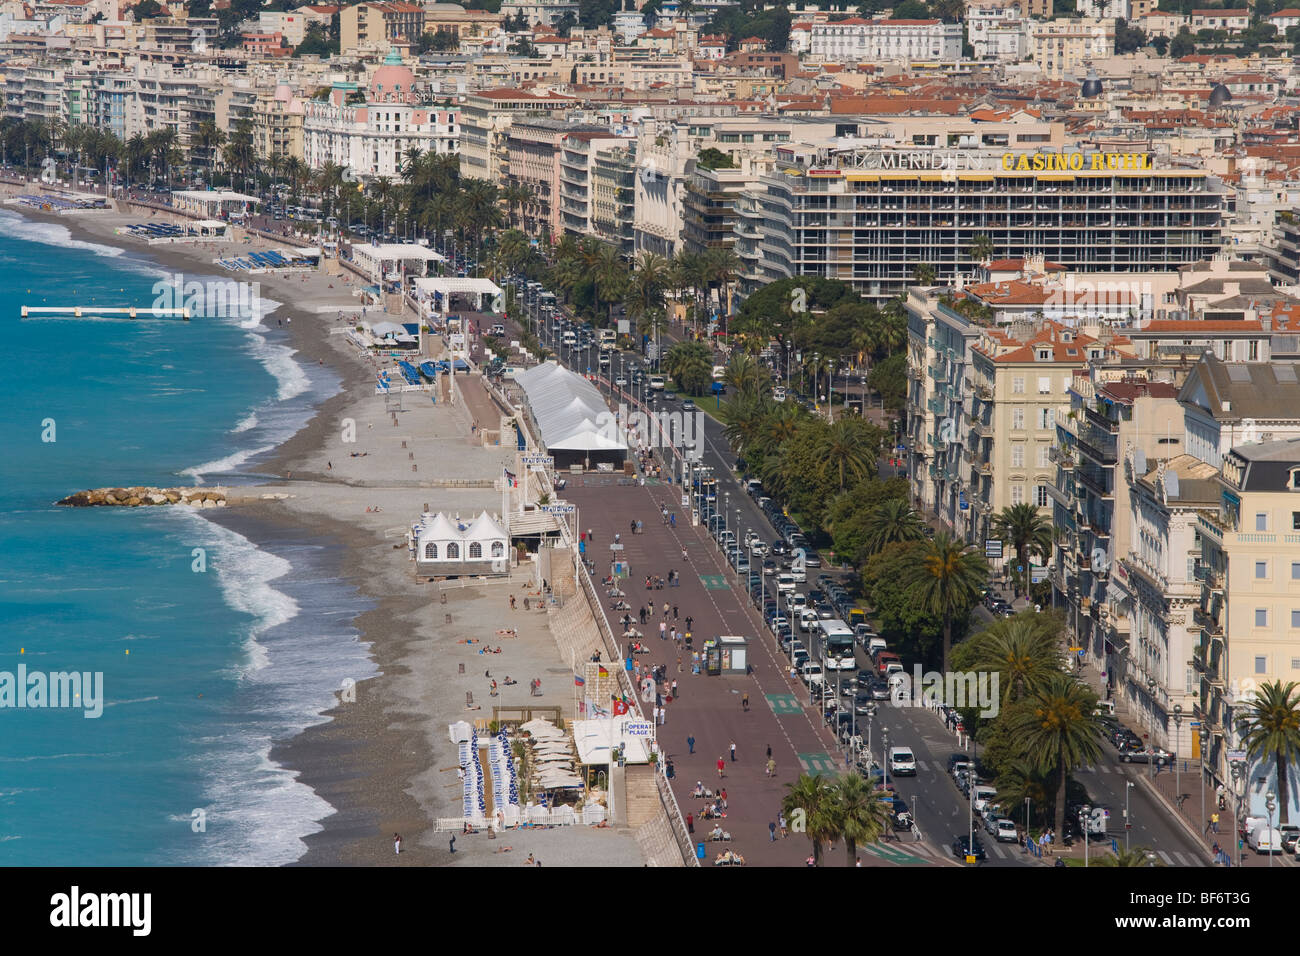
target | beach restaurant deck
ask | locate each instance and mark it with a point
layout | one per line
(380, 261)
(213, 203)
(435, 294)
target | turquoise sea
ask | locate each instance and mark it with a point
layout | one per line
(207, 656)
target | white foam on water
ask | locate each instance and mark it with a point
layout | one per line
(248, 421)
(220, 465)
(50, 234)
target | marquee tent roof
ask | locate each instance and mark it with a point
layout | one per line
(569, 411)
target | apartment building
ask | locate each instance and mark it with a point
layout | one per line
(997, 30)
(1109, 428)
(709, 213)
(856, 39)
(536, 147)
(289, 24)
(613, 188)
(377, 27)
(1250, 596)
(1064, 48)
(578, 150)
(868, 214)
(1228, 404)
(486, 120)
(1148, 623)
(277, 121)
(546, 13)
(1232, 21)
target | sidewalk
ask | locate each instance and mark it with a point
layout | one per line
(710, 708)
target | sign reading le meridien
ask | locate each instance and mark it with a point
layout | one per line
(960, 160)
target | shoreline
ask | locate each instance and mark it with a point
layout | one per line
(374, 758)
(350, 758)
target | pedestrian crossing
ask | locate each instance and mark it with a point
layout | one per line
(1174, 858)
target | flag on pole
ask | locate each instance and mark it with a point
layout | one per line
(578, 681)
(620, 707)
(602, 671)
(511, 478)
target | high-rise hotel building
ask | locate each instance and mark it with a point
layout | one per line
(869, 212)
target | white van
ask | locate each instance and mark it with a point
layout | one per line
(902, 762)
(785, 582)
(657, 382)
(1265, 839)
(569, 338)
(1104, 708)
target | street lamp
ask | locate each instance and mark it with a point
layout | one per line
(1178, 724)
(1084, 813)
(1238, 773)
(884, 753)
(1270, 804)
(1151, 703)
(1205, 744)
(1128, 823)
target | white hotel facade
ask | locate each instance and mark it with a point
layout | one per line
(859, 39)
(371, 136)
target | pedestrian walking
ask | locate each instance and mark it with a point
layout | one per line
(663, 630)
(771, 832)
(665, 610)
(771, 767)
(690, 823)
(452, 844)
(1214, 823)
(512, 602)
(679, 663)
(672, 520)
(744, 703)
(721, 765)
(733, 751)
(769, 751)
(690, 623)
(780, 822)
(674, 606)
(690, 744)
(397, 843)
(674, 689)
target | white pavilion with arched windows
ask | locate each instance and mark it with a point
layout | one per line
(449, 545)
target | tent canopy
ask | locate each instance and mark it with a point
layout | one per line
(570, 412)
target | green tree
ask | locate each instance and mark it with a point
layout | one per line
(710, 158)
(1019, 782)
(981, 248)
(1182, 44)
(848, 516)
(888, 379)
(892, 521)
(947, 578)
(691, 366)
(1024, 651)
(147, 10)
(1029, 532)
(905, 622)
(1138, 857)
(922, 272)
(848, 449)
(1271, 725)
(1059, 732)
(858, 814)
(810, 803)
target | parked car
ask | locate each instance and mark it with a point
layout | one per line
(1157, 755)
(1002, 830)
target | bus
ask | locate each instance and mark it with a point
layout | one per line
(835, 640)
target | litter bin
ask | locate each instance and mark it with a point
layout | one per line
(699, 851)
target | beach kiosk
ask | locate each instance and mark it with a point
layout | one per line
(733, 654)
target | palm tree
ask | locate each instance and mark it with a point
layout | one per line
(981, 248)
(923, 274)
(610, 274)
(211, 136)
(848, 448)
(1271, 725)
(1021, 784)
(720, 265)
(691, 364)
(1029, 532)
(515, 195)
(1058, 731)
(1023, 651)
(947, 579)
(857, 813)
(1139, 856)
(745, 376)
(810, 803)
(890, 521)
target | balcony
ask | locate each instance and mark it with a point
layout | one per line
(984, 392)
(1060, 456)
(938, 406)
(981, 429)
(1094, 479)
(985, 468)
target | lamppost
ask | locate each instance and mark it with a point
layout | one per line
(884, 753)
(1128, 823)
(1238, 775)
(1270, 804)
(1084, 816)
(1151, 703)
(726, 507)
(1205, 744)
(1178, 723)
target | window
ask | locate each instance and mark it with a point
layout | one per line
(1295, 521)
(1295, 618)
(498, 549)
(1253, 355)
(1261, 664)
(1261, 521)
(475, 549)
(1018, 385)
(1044, 385)
(453, 552)
(1018, 418)
(1017, 494)
(1043, 461)
(1261, 570)
(1261, 617)
(1040, 496)
(431, 552)
(1044, 418)
(1295, 570)
(1017, 455)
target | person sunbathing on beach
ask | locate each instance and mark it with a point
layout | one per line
(508, 681)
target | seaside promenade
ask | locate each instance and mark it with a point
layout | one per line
(710, 709)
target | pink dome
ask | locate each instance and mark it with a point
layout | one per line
(392, 82)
